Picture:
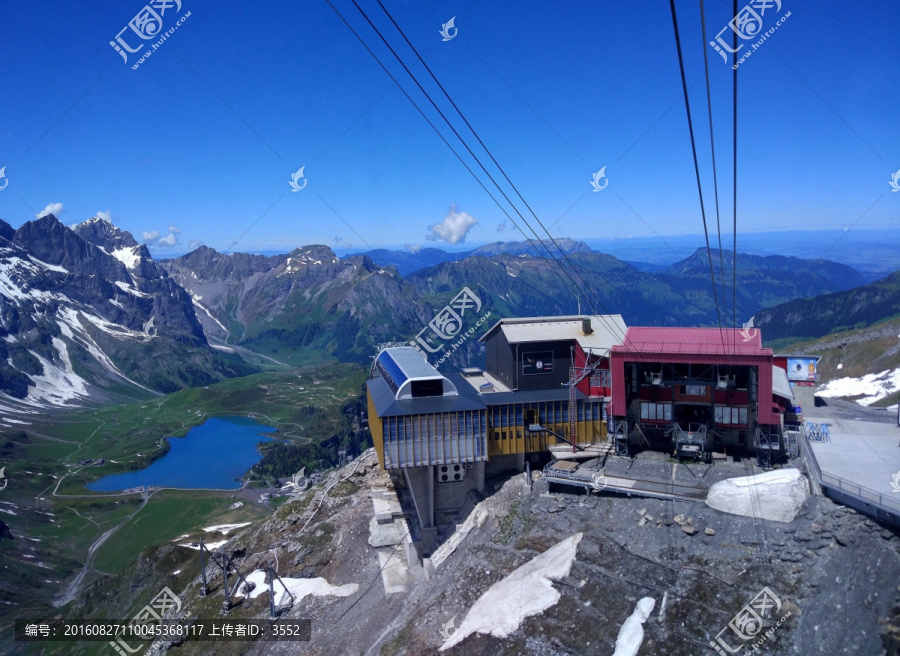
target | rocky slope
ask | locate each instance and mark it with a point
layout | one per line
(303, 307)
(87, 313)
(835, 571)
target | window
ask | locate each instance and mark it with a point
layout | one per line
(695, 390)
(656, 411)
(601, 378)
(730, 415)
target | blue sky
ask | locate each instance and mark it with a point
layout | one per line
(205, 135)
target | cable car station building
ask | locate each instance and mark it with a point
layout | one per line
(443, 433)
(698, 390)
(551, 383)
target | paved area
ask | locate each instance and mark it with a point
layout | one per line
(864, 452)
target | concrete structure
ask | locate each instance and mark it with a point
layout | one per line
(858, 465)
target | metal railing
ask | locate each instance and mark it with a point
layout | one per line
(884, 501)
(817, 432)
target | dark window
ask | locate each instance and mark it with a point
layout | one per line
(432, 387)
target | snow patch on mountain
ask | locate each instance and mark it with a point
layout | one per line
(128, 256)
(57, 384)
(195, 299)
(872, 387)
(70, 324)
(125, 287)
(51, 267)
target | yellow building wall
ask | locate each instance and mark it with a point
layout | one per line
(512, 439)
(377, 430)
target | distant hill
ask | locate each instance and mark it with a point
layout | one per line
(822, 315)
(767, 280)
(407, 262)
(304, 307)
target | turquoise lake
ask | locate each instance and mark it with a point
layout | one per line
(214, 455)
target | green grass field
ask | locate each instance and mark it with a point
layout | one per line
(62, 519)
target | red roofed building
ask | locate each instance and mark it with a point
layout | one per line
(699, 390)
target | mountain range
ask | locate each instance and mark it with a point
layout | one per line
(86, 312)
(807, 318)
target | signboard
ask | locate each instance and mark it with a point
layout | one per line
(539, 362)
(801, 369)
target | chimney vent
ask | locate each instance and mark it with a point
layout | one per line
(586, 327)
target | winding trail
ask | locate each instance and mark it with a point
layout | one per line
(75, 584)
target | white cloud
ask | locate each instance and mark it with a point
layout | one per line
(106, 216)
(53, 208)
(454, 228)
(501, 227)
(412, 248)
(196, 243)
(169, 240)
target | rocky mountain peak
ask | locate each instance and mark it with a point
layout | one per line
(6, 231)
(101, 232)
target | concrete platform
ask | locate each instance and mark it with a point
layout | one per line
(394, 571)
(862, 458)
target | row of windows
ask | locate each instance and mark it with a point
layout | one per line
(601, 378)
(550, 412)
(730, 415)
(656, 411)
(418, 440)
(663, 412)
